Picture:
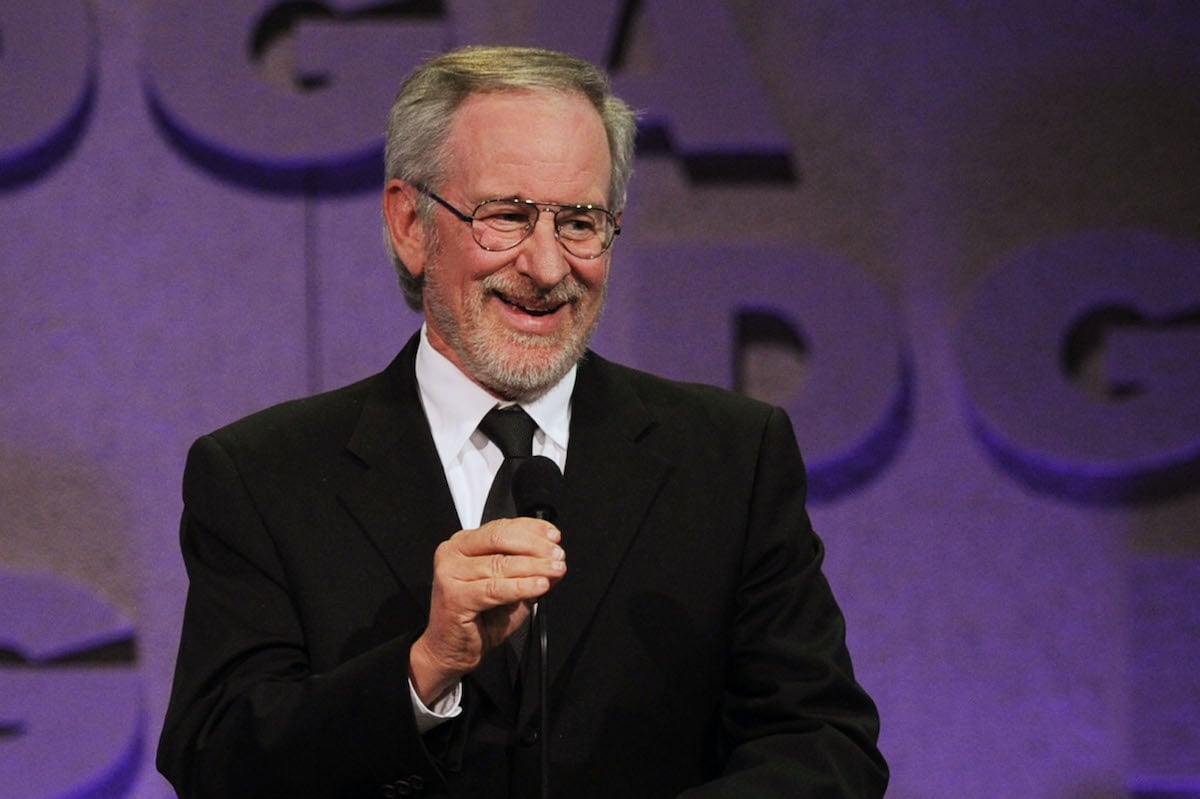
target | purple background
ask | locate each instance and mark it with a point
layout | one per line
(1023, 639)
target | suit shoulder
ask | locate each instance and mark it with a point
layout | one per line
(658, 390)
(300, 421)
(683, 405)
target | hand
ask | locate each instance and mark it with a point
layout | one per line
(485, 582)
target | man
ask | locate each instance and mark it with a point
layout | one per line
(350, 615)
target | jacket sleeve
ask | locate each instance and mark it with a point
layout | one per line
(795, 723)
(247, 715)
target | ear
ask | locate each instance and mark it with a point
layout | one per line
(405, 229)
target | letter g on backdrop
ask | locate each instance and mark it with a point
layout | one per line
(1081, 362)
(209, 61)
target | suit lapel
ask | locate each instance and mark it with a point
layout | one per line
(400, 499)
(611, 481)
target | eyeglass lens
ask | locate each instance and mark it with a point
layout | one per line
(503, 224)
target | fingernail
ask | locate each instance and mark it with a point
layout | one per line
(558, 554)
(558, 565)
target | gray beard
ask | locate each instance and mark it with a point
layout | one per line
(541, 362)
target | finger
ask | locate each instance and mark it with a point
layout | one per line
(451, 563)
(488, 591)
(499, 566)
(494, 593)
(521, 536)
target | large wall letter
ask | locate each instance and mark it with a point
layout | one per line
(71, 718)
(703, 101)
(278, 95)
(47, 58)
(685, 306)
(1081, 362)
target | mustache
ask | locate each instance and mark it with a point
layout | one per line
(515, 286)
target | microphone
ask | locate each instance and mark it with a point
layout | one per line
(537, 490)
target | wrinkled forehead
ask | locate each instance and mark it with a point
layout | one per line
(541, 145)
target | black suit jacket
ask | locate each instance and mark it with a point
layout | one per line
(694, 642)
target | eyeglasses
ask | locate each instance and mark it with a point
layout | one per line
(585, 231)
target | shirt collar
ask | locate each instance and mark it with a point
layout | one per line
(454, 404)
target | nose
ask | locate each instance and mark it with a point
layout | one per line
(542, 258)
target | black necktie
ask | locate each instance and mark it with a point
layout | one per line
(511, 430)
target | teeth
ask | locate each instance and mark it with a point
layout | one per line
(528, 310)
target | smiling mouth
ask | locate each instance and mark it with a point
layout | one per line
(531, 307)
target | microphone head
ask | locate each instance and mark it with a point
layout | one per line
(537, 488)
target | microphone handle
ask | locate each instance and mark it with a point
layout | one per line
(539, 631)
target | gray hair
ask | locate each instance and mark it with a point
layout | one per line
(421, 117)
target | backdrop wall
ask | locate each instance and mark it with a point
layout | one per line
(959, 242)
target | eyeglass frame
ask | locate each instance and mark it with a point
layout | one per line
(540, 207)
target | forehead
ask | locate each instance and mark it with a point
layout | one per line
(543, 145)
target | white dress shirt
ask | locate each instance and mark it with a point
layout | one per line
(454, 406)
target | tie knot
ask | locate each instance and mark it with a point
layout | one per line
(511, 430)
